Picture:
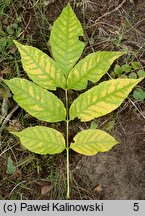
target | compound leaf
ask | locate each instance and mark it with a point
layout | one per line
(41, 140)
(37, 101)
(101, 99)
(64, 39)
(40, 67)
(92, 68)
(90, 142)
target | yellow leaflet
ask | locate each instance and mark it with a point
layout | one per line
(37, 101)
(90, 142)
(41, 140)
(64, 40)
(102, 99)
(92, 68)
(38, 64)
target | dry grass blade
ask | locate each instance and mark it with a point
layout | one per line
(108, 13)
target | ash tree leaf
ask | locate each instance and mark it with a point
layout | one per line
(40, 67)
(64, 39)
(37, 101)
(102, 99)
(91, 68)
(90, 142)
(41, 140)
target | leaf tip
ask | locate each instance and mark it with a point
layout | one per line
(122, 53)
(14, 133)
(5, 81)
(116, 142)
(68, 5)
(16, 43)
(140, 79)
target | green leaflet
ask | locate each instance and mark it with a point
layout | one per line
(41, 140)
(37, 101)
(41, 68)
(64, 39)
(11, 168)
(90, 142)
(91, 68)
(101, 99)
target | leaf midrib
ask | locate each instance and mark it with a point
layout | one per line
(34, 98)
(90, 143)
(38, 65)
(94, 103)
(87, 71)
(40, 140)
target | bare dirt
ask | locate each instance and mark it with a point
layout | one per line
(121, 172)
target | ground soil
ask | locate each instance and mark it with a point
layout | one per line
(117, 174)
(121, 172)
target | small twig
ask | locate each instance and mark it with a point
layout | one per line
(26, 26)
(8, 116)
(136, 108)
(16, 187)
(6, 119)
(7, 149)
(108, 13)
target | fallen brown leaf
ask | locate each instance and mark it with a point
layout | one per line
(46, 189)
(98, 188)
